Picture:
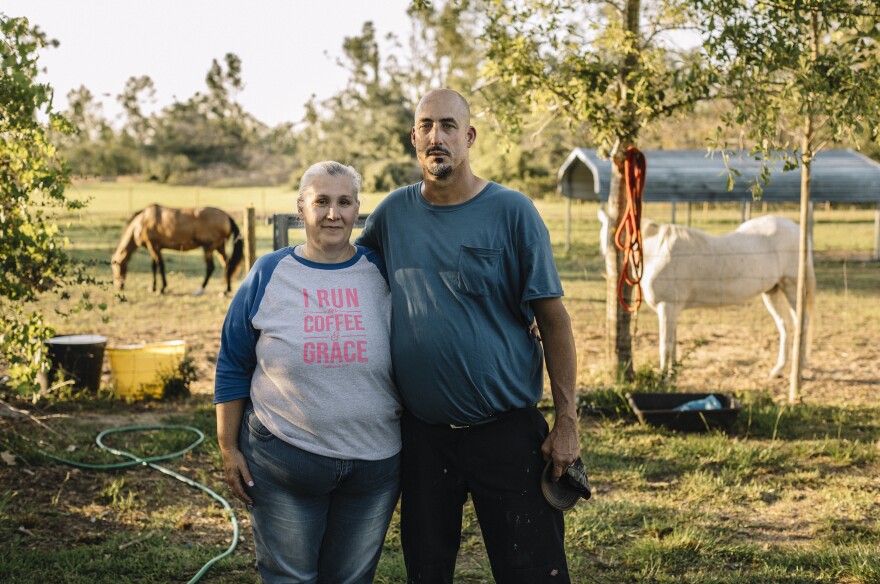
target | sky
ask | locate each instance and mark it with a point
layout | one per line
(288, 48)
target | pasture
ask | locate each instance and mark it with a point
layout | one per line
(791, 495)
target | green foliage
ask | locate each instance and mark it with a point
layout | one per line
(175, 384)
(800, 75)
(33, 260)
(585, 64)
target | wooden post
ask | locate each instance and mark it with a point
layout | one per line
(689, 205)
(568, 226)
(250, 237)
(672, 213)
(279, 230)
(877, 233)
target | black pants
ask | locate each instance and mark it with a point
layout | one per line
(500, 465)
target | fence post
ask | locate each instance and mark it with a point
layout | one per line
(568, 226)
(250, 237)
(279, 230)
(877, 233)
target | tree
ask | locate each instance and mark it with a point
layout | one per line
(800, 74)
(137, 92)
(443, 48)
(94, 148)
(224, 86)
(207, 135)
(604, 67)
(32, 178)
(367, 123)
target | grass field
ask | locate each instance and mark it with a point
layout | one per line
(791, 494)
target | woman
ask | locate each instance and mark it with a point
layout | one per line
(307, 411)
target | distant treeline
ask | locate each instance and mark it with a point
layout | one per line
(209, 139)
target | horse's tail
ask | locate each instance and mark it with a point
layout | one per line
(234, 263)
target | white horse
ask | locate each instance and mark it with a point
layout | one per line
(685, 268)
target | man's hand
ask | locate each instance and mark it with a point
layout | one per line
(562, 446)
(554, 324)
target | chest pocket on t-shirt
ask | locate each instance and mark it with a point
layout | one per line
(477, 270)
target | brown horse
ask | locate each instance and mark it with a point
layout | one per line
(158, 228)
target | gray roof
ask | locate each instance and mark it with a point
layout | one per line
(689, 175)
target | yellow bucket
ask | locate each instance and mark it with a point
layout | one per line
(138, 370)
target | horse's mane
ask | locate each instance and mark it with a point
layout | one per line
(130, 219)
(682, 233)
(128, 231)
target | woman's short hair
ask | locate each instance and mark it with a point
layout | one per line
(327, 168)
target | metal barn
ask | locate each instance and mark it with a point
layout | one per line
(690, 176)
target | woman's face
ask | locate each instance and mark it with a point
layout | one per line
(329, 210)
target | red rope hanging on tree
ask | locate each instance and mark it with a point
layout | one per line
(628, 237)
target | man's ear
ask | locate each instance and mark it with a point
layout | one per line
(471, 136)
(412, 136)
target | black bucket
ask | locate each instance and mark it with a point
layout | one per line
(79, 358)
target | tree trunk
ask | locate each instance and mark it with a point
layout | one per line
(617, 318)
(799, 344)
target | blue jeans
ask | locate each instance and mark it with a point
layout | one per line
(315, 518)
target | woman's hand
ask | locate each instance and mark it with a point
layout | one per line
(235, 467)
(237, 474)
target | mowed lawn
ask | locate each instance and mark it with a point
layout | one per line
(790, 494)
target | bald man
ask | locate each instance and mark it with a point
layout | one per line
(470, 267)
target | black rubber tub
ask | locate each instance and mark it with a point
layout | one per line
(78, 358)
(658, 409)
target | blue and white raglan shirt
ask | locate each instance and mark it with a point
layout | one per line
(309, 344)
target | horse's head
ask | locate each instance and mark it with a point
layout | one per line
(649, 229)
(120, 268)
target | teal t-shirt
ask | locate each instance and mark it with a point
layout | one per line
(461, 279)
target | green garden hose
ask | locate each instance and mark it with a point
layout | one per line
(149, 461)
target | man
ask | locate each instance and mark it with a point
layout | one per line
(470, 266)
